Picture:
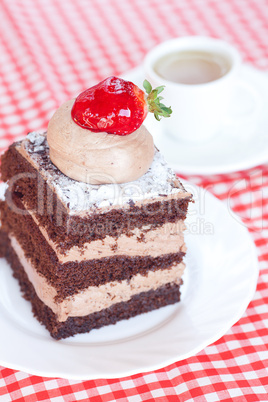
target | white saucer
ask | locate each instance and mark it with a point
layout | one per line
(220, 281)
(240, 145)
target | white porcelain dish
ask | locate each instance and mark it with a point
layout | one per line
(242, 142)
(220, 281)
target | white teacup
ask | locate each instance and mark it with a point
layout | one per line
(199, 74)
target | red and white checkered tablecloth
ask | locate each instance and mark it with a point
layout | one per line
(50, 50)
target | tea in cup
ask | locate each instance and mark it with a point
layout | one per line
(199, 75)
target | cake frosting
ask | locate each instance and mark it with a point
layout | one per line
(84, 198)
(97, 158)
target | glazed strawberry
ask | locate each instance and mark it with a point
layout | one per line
(117, 106)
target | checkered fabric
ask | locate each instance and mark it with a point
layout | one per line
(50, 50)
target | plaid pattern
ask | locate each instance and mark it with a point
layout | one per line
(50, 50)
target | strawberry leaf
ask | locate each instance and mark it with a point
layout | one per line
(160, 89)
(153, 101)
(147, 86)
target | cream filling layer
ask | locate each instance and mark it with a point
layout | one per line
(95, 298)
(142, 242)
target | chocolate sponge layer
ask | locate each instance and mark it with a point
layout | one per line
(141, 303)
(72, 277)
(66, 229)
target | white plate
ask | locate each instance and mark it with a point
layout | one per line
(220, 281)
(241, 144)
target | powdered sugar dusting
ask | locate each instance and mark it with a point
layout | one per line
(160, 180)
(3, 187)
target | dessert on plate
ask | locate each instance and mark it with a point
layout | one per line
(93, 217)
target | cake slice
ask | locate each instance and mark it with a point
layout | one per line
(88, 255)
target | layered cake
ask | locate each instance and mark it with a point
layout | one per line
(92, 224)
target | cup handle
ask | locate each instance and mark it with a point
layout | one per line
(245, 106)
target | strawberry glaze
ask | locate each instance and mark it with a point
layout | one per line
(114, 106)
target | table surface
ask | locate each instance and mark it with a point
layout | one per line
(50, 50)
